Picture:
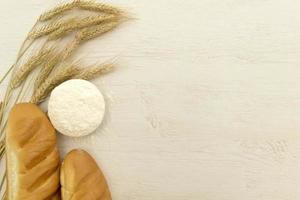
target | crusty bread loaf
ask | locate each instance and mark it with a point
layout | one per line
(82, 179)
(32, 155)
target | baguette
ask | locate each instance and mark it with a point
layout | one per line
(32, 155)
(82, 179)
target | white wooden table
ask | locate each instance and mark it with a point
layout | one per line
(205, 104)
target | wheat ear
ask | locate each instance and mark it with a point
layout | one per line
(99, 7)
(85, 5)
(54, 61)
(71, 47)
(49, 28)
(33, 62)
(95, 31)
(79, 24)
(51, 82)
(94, 71)
(50, 14)
(46, 70)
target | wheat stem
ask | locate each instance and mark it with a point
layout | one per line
(2, 152)
(6, 73)
(7, 96)
(19, 55)
(21, 51)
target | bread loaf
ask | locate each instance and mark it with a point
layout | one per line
(32, 155)
(82, 179)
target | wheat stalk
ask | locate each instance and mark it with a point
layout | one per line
(50, 14)
(94, 71)
(99, 7)
(28, 67)
(51, 82)
(79, 24)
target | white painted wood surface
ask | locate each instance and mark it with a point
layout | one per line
(206, 101)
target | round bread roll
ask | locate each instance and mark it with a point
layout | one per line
(76, 108)
(82, 179)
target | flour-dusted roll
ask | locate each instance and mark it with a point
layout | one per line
(82, 179)
(76, 108)
(32, 155)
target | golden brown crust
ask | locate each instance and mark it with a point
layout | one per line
(32, 155)
(82, 179)
(55, 196)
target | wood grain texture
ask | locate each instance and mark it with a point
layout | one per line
(205, 103)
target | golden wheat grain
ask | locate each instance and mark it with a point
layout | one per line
(94, 71)
(44, 30)
(62, 31)
(33, 62)
(79, 24)
(95, 31)
(85, 5)
(57, 11)
(49, 28)
(71, 47)
(51, 82)
(46, 70)
(54, 61)
(99, 7)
